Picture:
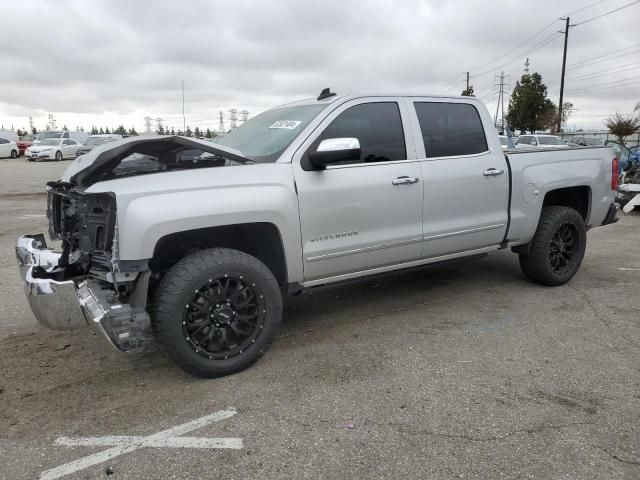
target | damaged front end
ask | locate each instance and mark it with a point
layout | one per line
(84, 283)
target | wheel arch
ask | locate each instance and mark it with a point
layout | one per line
(262, 240)
(576, 197)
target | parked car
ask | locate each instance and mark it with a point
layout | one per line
(9, 135)
(8, 148)
(311, 193)
(25, 142)
(540, 141)
(587, 141)
(79, 137)
(95, 140)
(52, 149)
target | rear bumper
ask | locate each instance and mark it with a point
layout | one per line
(611, 214)
(73, 304)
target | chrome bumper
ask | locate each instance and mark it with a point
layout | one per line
(54, 303)
(68, 305)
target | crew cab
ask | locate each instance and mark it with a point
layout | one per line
(199, 252)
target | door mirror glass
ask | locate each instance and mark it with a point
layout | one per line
(333, 150)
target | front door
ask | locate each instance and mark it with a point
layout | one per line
(466, 179)
(367, 213)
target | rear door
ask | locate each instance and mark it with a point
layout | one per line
(367, 213)
(465, 177)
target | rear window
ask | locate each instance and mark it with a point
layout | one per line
(450, 129)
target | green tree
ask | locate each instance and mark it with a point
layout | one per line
(160, 130)
(101, 131)
(188, 133)
(197, 133)
(208, 134)
(34, 131)
(173, 132)
(106, 130)
(529, 108)
(120, 130)
(94, 130)
(622, 126)
(468, 92)
(132, 132)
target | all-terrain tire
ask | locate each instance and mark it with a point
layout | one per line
(557, 247)
(193, 285)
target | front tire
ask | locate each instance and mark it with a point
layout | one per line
(557, 247)
(14, 154)
(58, 156)
(215, 312)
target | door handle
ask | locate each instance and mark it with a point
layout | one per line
(492, 172)
(404, 180)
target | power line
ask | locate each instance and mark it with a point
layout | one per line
(607, 13)
(584, 8)
(538, 46)
(606, 71)
(590, 61)
(589, 77)
(589, 90)
(614, 82)
(451, 83)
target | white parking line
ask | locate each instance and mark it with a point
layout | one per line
(629, 269)
(168, 438)
(24, 217)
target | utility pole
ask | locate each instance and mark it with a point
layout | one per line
(244, 115)
(564, 64)
(159, 124)
(147, 124)
(30, 124)
(184, 119)
(467, 81)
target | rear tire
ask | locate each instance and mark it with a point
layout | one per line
(557, 247)
(215, 312)
(58, 156)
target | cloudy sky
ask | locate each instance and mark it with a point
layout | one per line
(110, 62)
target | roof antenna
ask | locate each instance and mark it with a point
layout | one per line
(325, 93)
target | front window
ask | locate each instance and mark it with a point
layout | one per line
(264, 137)
(94, 141)
(378, 128)
(50, 141)
(46, 135)
(550, 141)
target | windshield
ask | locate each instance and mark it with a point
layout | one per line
(44, 135)
(593, 141)
(50, 141)
(503, 141)
(550, 141)
(93, 141)
(264, 137)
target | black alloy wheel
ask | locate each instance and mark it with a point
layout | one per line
(224, 316)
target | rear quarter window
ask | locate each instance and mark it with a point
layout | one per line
(450, 129)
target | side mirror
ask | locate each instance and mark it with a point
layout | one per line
(333, 150)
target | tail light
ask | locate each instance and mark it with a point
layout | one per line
(614, 174)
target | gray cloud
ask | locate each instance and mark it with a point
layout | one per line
(81, 59)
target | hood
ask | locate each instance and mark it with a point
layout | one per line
(85, 169)
(40, 148)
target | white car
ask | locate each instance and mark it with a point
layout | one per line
(8, 148)
(52, 149)
(540, 141)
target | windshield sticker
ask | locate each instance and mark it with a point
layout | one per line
(286, 124)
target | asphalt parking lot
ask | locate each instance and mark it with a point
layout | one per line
(460, 371)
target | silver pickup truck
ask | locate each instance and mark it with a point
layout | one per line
(199, 251)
